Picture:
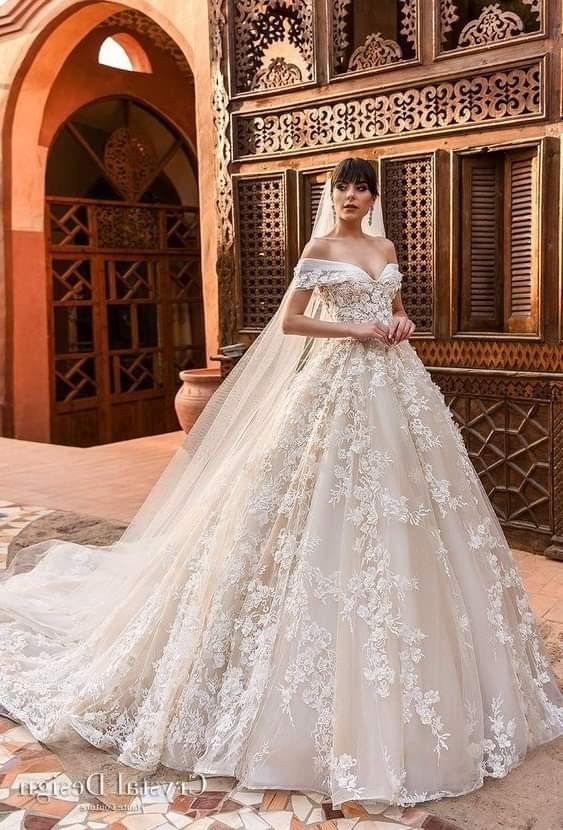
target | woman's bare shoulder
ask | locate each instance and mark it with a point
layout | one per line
(315, 248)
(385, 246)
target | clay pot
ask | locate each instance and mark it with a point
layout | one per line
(198, 386)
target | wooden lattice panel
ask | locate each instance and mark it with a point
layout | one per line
(491, 354)
(485, 98)
(127, 227)
(68, 224)
(376, 36)
(273, 44)
(182, 229)
(262, 247)
(484, 24)
(408, 193)
(506, 425)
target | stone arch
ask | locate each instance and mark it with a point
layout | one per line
(26, 393)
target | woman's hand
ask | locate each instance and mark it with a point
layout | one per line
(400, 329)
(372, 330)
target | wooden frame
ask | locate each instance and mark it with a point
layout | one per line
(360, 73)
(536, 330)
(437, 160)
(261, 93)
(439, 54)
(289, 220)
(356, 98)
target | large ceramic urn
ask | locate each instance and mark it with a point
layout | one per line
(197, 387)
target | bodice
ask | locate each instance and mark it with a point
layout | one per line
(349, 293)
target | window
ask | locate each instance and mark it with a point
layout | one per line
(122, 51)
(499, 242)
(372, 36)
(477, 24)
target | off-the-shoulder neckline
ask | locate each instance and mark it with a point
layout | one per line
(351, 264)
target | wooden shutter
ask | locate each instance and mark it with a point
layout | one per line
(481, 294)
(314, 199)
(521, 242)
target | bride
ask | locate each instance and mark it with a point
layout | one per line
(317, 593)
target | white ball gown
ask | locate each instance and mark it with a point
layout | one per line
(339, 612)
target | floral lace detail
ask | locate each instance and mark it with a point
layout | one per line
(341, 609)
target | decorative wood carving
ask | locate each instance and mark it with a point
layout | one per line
(479, 353)
(278, 73)
(408, 193)
(376, 51)
(273, 43)
(122, 322)
(557, 462)
(506, 427)
(135, 21)
(492, 24)
(130, 161)
(223, 184)
(261, 237)
(383, 46)
(480, 99)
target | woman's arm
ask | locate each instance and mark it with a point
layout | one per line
(295, 322)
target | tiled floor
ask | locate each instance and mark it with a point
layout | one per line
(29, 772)
(83, 481)
(110, 481)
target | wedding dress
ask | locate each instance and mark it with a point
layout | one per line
(338, 610)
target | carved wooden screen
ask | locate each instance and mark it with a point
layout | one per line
(372, 36)
(506, 427)
(263, 257)
(126, 293)
(474, 24)
(483, 96)
(408, 197)
(499, 227)
(272, 44)
(124, 323)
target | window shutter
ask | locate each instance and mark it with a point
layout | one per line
(316, 191)
(521, 238)
(481, 296)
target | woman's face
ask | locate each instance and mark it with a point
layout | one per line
(352, 200)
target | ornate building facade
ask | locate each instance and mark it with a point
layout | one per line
(458, 105)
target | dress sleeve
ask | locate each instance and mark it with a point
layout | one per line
(305, 275)
(309, 273)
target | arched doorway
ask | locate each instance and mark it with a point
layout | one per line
(57, 73)
(124, 273)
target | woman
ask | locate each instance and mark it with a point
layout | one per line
(317, 594)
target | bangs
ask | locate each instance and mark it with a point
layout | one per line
(355, 170)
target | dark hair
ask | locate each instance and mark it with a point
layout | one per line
(354, 169)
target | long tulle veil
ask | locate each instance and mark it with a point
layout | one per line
(235, 419)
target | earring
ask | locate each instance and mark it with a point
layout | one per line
(333, 211)
(371, 214)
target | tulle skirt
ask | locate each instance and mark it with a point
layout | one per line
(337, 609)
